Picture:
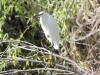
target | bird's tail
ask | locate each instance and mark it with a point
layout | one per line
(56, 46)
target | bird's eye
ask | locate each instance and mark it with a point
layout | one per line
(41, 14)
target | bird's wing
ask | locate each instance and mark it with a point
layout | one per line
(54, 32)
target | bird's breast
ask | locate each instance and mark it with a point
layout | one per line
(44, 24)
(44, 21)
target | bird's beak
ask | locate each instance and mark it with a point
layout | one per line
(38, 15)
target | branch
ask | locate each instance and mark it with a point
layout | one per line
(88, 35)
(14, 71)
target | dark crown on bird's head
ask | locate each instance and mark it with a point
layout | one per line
(42, 13)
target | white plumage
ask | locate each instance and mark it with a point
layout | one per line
(50, 28)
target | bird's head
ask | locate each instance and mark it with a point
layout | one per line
(41, 14)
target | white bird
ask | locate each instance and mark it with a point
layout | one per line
(50, 28)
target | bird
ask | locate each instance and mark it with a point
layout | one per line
(50, 28)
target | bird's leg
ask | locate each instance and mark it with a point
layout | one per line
(51, 47)
(52, 44)
(54, 50)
